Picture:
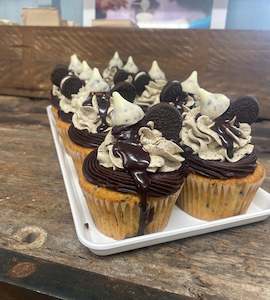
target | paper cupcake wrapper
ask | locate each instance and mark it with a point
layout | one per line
(120, 219)
(78, 154)
(62, 128)
(212, 199)
(54, 112)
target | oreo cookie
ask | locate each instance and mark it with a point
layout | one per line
(58, 73)
(245, 109)
(140, 81)
(71, 85)
(172, 92)
(126, 90)
(167, 119)
(120, 75)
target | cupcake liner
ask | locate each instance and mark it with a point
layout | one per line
(78, 154)
(62, 128)
(54, 112)
(212, 199)
(117, 214)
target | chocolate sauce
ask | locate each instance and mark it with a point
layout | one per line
(135, 161)
(226, 133)
(103, 106)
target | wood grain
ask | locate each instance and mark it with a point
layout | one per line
(232, 62)
(231, 264)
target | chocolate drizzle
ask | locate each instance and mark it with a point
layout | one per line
(227, 134)
(103, 106)
(135, 161)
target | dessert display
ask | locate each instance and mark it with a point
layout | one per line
(224, 174)
(142, 144)
(132, 181)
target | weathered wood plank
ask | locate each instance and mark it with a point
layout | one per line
(231, 62)
(225, 265)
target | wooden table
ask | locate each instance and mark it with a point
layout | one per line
(41, 255)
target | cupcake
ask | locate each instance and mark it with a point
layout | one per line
(70, 86)
(184, 96)
(131, 182)
(91, 119)
(114, 64)
(58, 73)
(149, 85)
(224, 174)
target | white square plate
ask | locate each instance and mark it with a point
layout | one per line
(180, 225)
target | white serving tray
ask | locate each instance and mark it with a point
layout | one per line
(180, 226)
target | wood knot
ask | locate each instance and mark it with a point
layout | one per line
(22, 270)
(29, 237)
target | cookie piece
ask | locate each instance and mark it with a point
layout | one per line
(71, 85)
(245, 109)
(120, 75)
(140, 81)
(58, 73)
(126, 90)
(172, 92)
(167, 119)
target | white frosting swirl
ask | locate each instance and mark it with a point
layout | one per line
(116, 61)
(190, 85)
(114, 64)
(75, 64)
(155, 72)
(130, 66)
(97, 83)
(206, 143)
(66, 105)
(165, 155)
(56, 91)
(86, 71)
(87, 117)
(150, 95)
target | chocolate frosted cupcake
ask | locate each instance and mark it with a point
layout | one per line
(114, 65)
(224, 172)
(70, 86)
(131, 182)
(149, 86)
(184, 96)
(58, 73)
(91, 119)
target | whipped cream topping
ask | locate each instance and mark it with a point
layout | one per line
(213, 105)
(198, 133)
(75, 64)
(88, 117)
(165, 155)
(66, 105)
(130, 66)
(97, 83)
(116, 61)
(86, 72)
(125, 112)
(56, 91)
(114, 64)
(155, 72)
(151, 94)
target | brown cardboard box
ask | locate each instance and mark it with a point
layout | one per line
(40, 16)
(113, 23)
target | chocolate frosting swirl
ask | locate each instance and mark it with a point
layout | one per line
(55, 100)
(84, 138)
(65, 117)
(220, 169)
(161, 183)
